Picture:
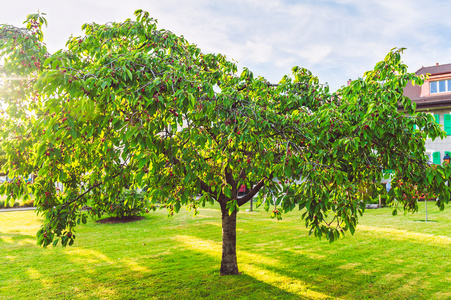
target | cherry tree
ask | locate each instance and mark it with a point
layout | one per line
(128, 104)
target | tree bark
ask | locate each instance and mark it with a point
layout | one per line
(229, 264)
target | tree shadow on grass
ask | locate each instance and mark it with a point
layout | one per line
(374, 263)
(16, 238)
(345, 270)
(324, 271)
(117, 263)
(175, 275)
(261, 268)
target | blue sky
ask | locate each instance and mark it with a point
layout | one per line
(336, 40)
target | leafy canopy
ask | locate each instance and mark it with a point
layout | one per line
(131, 105)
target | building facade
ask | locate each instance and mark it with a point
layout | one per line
(434, 97)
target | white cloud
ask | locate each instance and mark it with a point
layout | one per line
(336, 39)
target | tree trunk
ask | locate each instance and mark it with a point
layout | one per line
(229, 265)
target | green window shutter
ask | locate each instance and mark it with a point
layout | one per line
(437, 119)
(447, 123)
(413, 126)
(436, 157)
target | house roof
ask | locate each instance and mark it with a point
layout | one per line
(430, 102)
(435, 101)
(434, 70)
(412, 91)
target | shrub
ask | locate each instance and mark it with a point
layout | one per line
(376, 200)
(2, 204)
(128, 204)
(28, 203)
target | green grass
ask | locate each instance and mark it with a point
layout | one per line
(160, 258)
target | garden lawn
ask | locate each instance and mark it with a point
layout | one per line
(399, 257)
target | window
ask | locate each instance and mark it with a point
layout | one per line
(437, 117)
(440, 86)
(433, 87)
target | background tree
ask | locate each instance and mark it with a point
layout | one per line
(130, 104)
(2, 161)
(22, 52)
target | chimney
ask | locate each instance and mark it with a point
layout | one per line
(436, 64)
(349, 82)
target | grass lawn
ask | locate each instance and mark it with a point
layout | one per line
(399, 257)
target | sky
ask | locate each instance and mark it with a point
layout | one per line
(337, 39)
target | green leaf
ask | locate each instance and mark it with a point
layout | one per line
(129, 74)
(142, 162)
(227, 191)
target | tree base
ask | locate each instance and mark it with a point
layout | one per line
(226, 274)
(231, 269)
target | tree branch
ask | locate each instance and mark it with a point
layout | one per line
(251, 194)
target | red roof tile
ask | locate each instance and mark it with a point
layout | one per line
(412, 91)
(437, 100)
(434, 70)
